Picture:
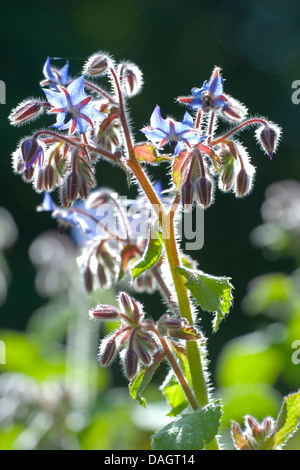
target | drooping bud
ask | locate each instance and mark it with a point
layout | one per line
(31, 151)
(227, 169)
(243, 183)
(72, 186)
(102, 277)
(143, 353)
(108, 352)
(88, 279)
(26, 111)
(28, 174)
(131, 363)
(187, 195)
(204, 191)
(233, 110)
(104, 312)
(97, 64)
(131, 78)
(268, 136)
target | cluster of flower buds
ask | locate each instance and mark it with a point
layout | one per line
(137, 338)
(235, 170)
(222, 157)
(105, 228)
(256, 437)
(196, 181)
(176, 327)
(53, 158)
(135, 335)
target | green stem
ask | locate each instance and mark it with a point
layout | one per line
(167, 225)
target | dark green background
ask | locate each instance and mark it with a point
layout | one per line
(176, 43)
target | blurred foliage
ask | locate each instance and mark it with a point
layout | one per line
(255, 370)
(53, 394)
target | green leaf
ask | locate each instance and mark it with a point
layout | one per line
(211, 293)
(151, 255)
(140, 382)
(175, 396)
(190, 431)
(287, 421)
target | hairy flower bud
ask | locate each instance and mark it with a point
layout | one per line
(31, 151)
(104, 312)
(187, 195)
(102, 277)
(130, 78)
(243, 183)
(125, 303)
(204, 191)
(72, 186)
(97, 64)
(233, 110)
(88, 279)
(268, 136)
(131, 363)
(26, 111)
(108, 352)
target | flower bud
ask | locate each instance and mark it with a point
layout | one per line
(233, 110)
(72, 186)
(102, 277)
(26, 111)
(131, 363)
(28, 174)
(204, 191)
(187, 195)
(105, 312)
(143, 354)
(49, 177)
(108, 352)
(130, 78)
(268, 136)
(31, 151)
(97, 64)
(125, 303)
(88, 279)
(243, 183)
(228, 175)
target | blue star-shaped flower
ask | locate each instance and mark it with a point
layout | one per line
(164, 131)
(210, 95)
(53, 76)
(73, 108)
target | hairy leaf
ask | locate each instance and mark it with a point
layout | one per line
(287, 421)
(151, 255)
(190, 431)
(211, 293)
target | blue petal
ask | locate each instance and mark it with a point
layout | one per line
(158, 122)
(155, 135)
(56, 99)
(81, 125)
(64, 74)
(89, 110)
(196, 103)
(188, 120)
(48, 204)
(216, 86)
(219, 102)
(76, 92)
(47, 70)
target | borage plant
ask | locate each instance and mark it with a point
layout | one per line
(122, 239)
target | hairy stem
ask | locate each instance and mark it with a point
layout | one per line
(167, 225)
(238, 128)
